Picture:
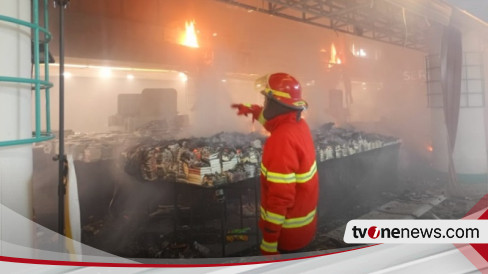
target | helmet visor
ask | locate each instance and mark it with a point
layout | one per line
(261, 83)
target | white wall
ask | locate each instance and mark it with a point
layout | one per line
(89, 101)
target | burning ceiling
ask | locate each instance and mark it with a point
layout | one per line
(189, 37)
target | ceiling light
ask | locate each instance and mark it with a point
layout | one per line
(183, 77)
(105, 72)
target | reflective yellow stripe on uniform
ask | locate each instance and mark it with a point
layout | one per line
(285, 178)
(287, 223)
(263, 170)
(300, 221)
(305, 177)
(272, 217)
(261, 118)
(277, 177)
(269, 247)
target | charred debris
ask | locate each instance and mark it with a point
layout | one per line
(148, 156)
(233, 157)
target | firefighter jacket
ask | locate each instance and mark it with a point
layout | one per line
(289, 186)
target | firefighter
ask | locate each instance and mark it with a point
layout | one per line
(289, 178)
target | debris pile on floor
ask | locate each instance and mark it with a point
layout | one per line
(421, 194)
(232, 157)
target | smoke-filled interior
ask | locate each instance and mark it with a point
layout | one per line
(135, 88)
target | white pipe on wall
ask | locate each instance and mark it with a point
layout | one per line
(16, 166)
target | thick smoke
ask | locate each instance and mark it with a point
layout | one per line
(387, 90)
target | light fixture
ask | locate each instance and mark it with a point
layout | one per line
(105, 72)
(183, 77)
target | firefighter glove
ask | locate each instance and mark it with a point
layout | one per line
(245, 109)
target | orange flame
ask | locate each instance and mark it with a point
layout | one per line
(333, 54)
(430, 148)
(190, 36)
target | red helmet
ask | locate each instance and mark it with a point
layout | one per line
(283, 88)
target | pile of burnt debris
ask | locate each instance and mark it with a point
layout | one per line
(421, 193)
(133, 235)
(147, 238)
(460, 198)
(145, 245)
(221, 158)
(232, 157)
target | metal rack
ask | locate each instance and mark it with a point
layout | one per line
(222, 213)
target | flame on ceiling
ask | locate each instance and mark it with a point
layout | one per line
(189, 38)
(334, 57)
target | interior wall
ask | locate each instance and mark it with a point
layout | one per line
(90, 101)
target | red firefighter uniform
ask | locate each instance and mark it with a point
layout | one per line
(289, 185)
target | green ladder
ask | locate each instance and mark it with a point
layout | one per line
(36, 83)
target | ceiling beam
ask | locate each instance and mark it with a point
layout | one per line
(378, 20)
